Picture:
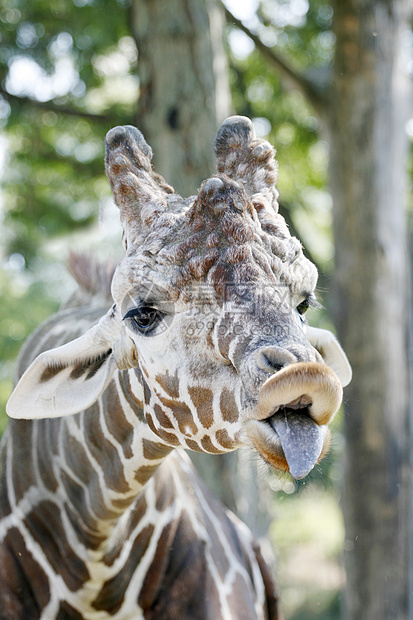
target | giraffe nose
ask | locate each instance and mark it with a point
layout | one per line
(274, 358)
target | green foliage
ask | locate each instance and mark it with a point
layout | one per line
(26, 302)
(49, 191)
(301, 30)
(57, 61)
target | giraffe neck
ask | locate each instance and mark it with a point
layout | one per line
(86, 470)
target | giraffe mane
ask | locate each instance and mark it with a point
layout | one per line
(93, 277)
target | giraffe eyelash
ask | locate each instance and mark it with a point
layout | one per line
(308, 302)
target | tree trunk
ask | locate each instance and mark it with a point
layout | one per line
(184, 85)
(368, 180)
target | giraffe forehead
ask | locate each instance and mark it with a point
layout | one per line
(238, 273)
(225, 248)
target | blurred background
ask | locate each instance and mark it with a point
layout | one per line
(329, 85)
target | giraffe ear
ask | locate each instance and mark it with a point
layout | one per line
(330, 350)
(67, 379)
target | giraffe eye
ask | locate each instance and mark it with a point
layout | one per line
(303, 306)
(143, 319)
(309, 302)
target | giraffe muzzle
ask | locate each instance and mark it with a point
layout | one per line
(288, 426)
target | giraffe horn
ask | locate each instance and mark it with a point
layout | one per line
(247, 159)
(139, 192)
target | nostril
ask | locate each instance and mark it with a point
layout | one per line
(270, 362)
(272, 359)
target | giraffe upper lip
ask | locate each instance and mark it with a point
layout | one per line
(305, 384)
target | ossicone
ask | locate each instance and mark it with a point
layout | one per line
(249, 160)
(129, 137)
(139, 192)
(235, 132)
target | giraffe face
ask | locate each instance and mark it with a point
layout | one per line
(216, 290)
(208, 312)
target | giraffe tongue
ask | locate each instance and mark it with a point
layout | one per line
(301, 439)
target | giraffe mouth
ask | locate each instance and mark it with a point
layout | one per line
(289, 423)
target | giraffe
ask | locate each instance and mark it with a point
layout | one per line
(204, 347)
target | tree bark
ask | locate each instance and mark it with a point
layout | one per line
(368, 181)
(184, 85)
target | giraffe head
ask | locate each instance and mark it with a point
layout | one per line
(208, 312)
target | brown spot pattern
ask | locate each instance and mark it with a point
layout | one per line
(117, 424)
(186, 589)
(203, 401)
(193, 445)
(229, 409)
(136, 515)
(208, 446)
(125, 384)
(23, 473)
(146, 392)
(169, 383)
(225, 440)
(67, 612)
(77, 460)
(167, 437)
(162, 418)
(145, 472)
(112, 593)
(104, 451)
(91, 539)
(24, 587)
(181, 413)
(76, 495)
(153, 450)
(45, 525)
(44, 457)
(155, 574)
